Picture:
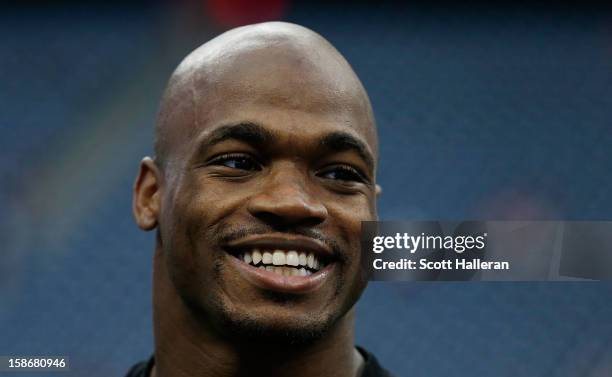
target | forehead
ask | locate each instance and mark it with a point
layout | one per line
(291, 93)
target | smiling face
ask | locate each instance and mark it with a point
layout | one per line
(268, 163)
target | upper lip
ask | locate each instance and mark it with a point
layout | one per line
(283, 242)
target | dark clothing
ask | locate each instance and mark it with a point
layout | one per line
(371, 368)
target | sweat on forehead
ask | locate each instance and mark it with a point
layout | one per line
(276, 64)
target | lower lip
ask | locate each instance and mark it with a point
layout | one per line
(269, 280)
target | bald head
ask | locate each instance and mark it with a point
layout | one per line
(275, 65)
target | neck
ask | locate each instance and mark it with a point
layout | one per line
(186, 346)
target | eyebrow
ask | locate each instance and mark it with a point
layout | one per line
(258, 136)
(247, 132)
(342, 141)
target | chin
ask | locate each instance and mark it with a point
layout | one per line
(277, 326)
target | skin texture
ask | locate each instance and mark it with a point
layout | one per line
(264, 130)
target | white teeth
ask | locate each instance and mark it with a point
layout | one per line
(292, 258)
(278, 258)
(303, 260)
(256, 256)
(310, 260)
(287, 271)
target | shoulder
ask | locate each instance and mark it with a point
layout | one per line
(142, 369)
(371, 367)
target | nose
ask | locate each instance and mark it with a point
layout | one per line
(284, 201)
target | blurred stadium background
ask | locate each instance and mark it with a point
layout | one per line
(487, 112)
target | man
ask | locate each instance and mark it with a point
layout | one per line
(265, 166)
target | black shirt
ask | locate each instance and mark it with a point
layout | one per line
(371, 368)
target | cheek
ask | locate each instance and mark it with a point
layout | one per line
(346, 221)
(350, 211)
(187, 214)
(352, 278)
(347, 215)
(191, 220)
(199, 211)
(197, 203)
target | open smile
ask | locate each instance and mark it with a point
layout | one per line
(281, 263)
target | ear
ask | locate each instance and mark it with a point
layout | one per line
(378, 190)
(146, 198)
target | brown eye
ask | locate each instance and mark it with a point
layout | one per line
(342, 173)
(237, 161)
